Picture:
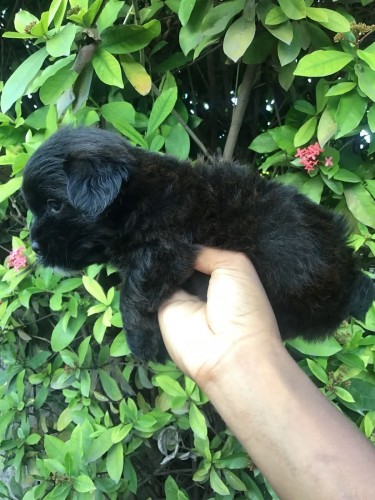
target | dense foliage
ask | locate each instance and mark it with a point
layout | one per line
(287, 86)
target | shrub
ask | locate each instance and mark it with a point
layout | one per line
(286, 86)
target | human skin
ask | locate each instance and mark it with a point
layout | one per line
(231, 347)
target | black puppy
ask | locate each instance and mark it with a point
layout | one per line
(97, 199)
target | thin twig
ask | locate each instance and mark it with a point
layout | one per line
(239, 111)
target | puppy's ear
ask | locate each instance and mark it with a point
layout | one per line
(94, 184)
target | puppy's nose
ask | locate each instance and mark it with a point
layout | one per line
(35, 246)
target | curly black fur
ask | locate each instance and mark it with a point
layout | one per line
(95, 198)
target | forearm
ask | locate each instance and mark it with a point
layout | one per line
(296, 437)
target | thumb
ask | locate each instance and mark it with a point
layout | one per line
(183, 324)
(177, 311)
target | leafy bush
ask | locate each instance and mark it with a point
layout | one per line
(287, 86)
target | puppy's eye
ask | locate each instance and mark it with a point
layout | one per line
(54, 205)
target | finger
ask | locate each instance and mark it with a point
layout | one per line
(177, 309)
(211, 259)
(183, 324)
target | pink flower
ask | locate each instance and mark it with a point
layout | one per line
(309, 156)
(329, 161)
(16, 259)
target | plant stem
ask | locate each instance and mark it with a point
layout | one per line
(239, 111)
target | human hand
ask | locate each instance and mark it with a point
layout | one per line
(206, 338)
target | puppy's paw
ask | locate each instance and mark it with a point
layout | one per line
(147, 345)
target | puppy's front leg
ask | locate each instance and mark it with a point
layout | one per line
(151, 275)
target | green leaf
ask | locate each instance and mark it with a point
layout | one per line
(63, 336)
(120, 432)
(60, 44)
(234, 481)
(99, 445)
(366, 77)
(136, 74)
(321, 89)
(83, 484)
(322, 63)
(317, 370)
(85, 383)
(56, 85)
(371, 118)
(238, 38)
(361, 204)
(275, 16)
(110, 386)
(115, 462)
(305, 107)
(177, 142)
(328, 18)
(351, 360)
(119, 346)
(288, 53)
(119, 111)
(185, 10)
(50, 71)
(218, 17)
(64, 419)
(93, 287)
(172, 491)
(169, 385)
(350, 112)
(286, 76)
(346, 176)
(59, 492)
(305, 133)
(294, 9)
(83, 349)
(197, 422)
(99, 329)
(343, 394)
(368, 57)
(22, 19)
(107, 68)
(33, 439)
(327, 127)
(89, 16)
(341, 88)
(263, 143)
(284, 137)
(56, 12)
(283, 32)
(325, 348)
(217, 484)
(109, 14)
(124, 39)
(130, 132)
(18, 82)
(55, 448)
(234, 461)
(163, 107)
(9, 188)
(313, 188)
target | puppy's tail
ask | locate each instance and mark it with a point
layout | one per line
(362, 295)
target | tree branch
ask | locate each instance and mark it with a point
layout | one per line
(239, 110)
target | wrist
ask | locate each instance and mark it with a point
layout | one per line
(244, 359)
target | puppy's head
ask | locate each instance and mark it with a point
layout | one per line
(68, 185)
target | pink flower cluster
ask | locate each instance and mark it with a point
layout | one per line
(16, 259)
(309, 157)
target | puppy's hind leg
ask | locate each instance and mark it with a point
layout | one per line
(152, 274)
